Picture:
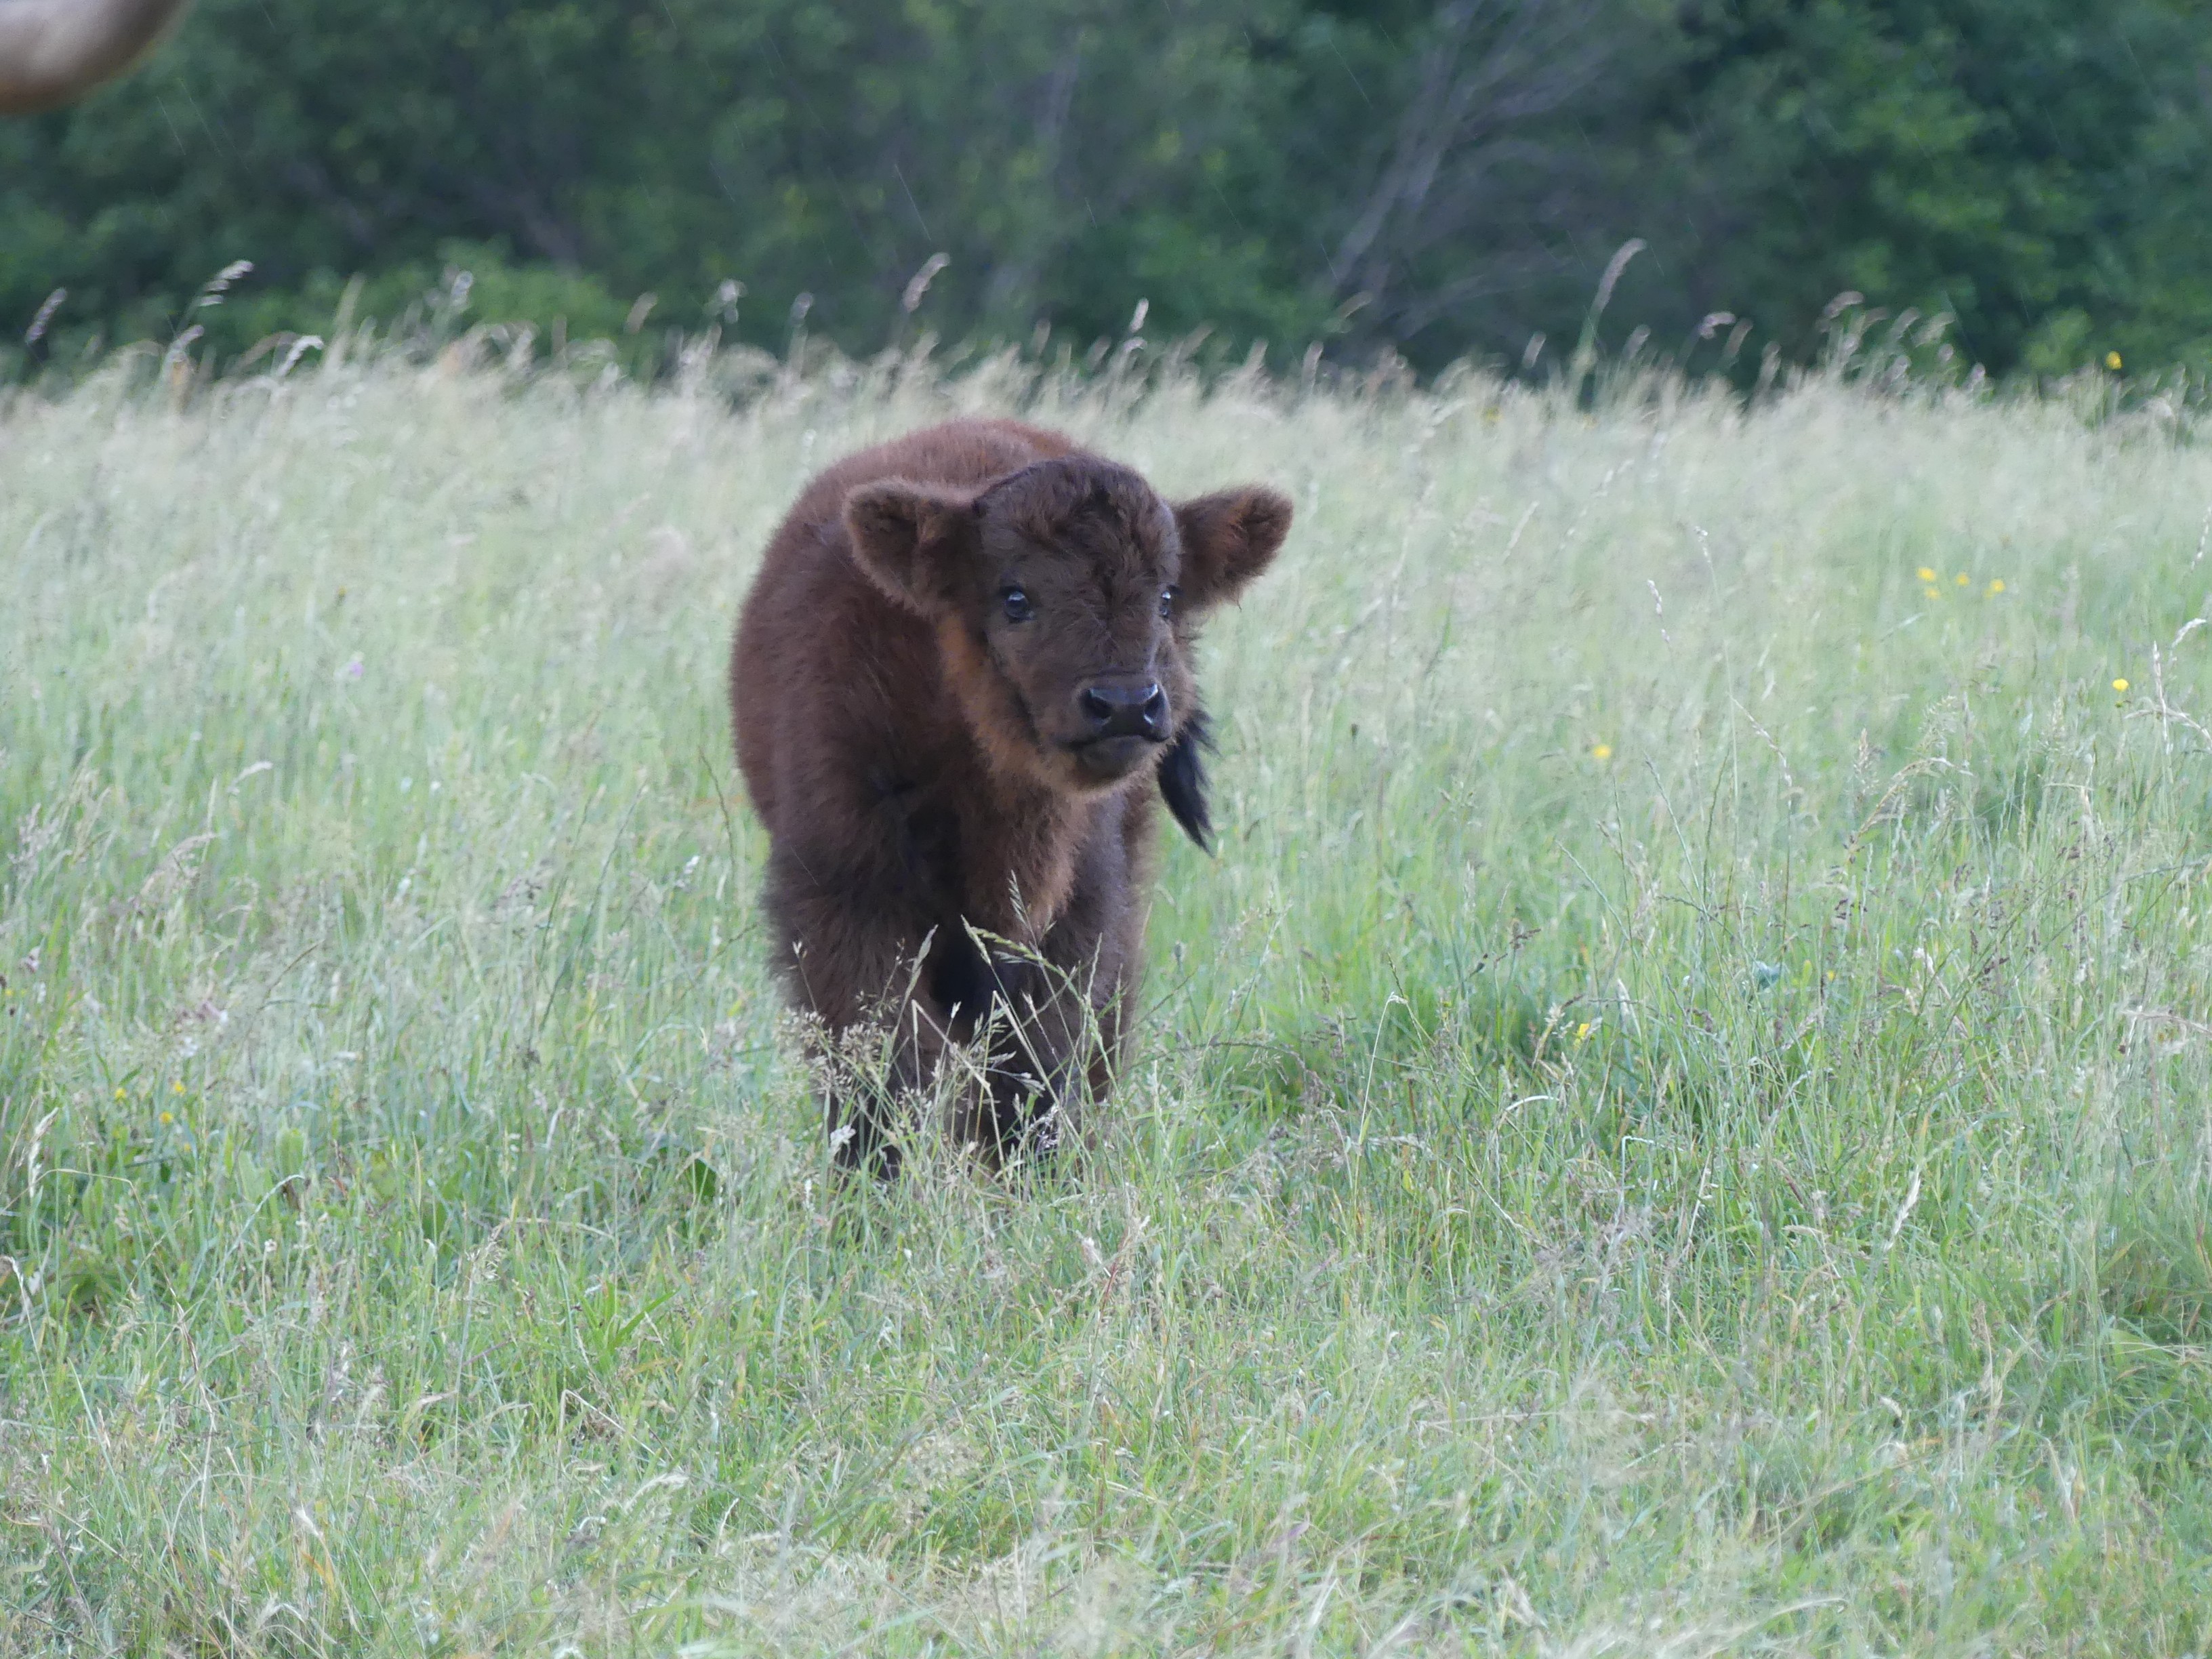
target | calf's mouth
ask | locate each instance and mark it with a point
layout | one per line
(1108, 759)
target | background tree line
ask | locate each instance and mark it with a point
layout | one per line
(1440, 178)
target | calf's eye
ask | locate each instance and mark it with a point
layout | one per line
(1018, 608)
(1168, 597)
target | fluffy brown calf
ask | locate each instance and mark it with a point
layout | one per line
(963, 686)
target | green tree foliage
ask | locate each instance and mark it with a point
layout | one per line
(1067, 159)
(2035, 168)
(1437, 177)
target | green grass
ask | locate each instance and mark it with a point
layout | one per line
(1676, 1124)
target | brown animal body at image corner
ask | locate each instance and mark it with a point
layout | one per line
(53, 51)
(962, 688)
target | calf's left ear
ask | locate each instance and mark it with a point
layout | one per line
(914, 541)
(1228, 538)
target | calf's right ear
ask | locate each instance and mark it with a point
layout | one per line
(913, 541)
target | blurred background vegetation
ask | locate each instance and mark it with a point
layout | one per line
(1433, 180)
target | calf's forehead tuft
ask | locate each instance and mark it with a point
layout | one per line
(1053, 502)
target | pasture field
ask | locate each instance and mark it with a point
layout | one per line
(1676, 1124)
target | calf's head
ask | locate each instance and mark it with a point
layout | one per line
(1065, 598)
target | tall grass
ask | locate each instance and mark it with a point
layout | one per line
(1675, 1124)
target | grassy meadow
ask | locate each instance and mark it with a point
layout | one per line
(1676, 1124)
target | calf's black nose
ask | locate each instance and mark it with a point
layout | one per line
(1120, 709)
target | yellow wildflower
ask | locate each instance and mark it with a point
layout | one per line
(1961, 578)
(2112, 361)
(1601, 751)
(1925, 574)
(168, 1117)
(2119, 685)
(1997, 585)
(1933, 592)
(1582, 1030)
(176, 1087)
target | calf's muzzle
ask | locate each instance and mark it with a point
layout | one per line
(1124, 708)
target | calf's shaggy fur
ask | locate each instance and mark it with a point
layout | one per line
(962, 688)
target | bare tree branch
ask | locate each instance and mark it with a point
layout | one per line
(1012, 284)
(1489, 70)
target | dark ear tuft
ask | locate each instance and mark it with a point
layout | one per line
(1228, 538)
(1182, 780)
(910, 538)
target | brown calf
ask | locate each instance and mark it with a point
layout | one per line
(963, 683)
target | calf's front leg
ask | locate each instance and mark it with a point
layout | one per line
(1059, 1016)
(851, 951)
